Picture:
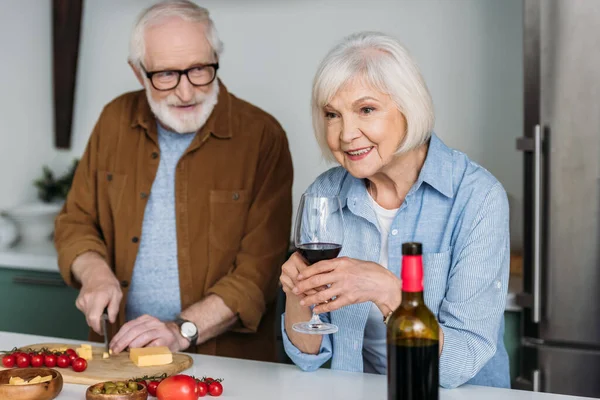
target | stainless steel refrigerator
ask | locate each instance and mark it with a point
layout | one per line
(561, 146)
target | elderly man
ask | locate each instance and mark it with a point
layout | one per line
(179, 214)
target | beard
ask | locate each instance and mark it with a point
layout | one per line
(188, 122)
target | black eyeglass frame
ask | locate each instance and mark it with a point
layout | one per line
(180, 72)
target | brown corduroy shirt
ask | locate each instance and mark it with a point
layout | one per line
(233, 205)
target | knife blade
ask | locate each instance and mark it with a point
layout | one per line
(105, 328)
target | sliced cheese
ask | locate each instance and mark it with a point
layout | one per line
(85, 353)
(105, 355)
(149, 356)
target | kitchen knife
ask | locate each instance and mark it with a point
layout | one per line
(105, 328)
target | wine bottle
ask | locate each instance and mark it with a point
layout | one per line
(412, 336)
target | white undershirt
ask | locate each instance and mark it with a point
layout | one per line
(374, 344)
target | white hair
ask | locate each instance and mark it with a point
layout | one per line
(384, 64)
(184, 9)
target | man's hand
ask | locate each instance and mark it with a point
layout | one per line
(99, 289)
(147, 331)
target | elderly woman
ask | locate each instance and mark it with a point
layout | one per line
(398, 182)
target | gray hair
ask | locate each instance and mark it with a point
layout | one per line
(384, 64)
(184, 9)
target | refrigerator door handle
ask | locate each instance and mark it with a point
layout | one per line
(537, 225)
(536, 380)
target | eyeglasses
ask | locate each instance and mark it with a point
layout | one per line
(200, 75)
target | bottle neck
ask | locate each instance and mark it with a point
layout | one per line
(412, 299)
(412, 273)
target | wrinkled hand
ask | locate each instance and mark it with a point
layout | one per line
(99, 289)
(350, 281)
(148, 331)
(289, 275)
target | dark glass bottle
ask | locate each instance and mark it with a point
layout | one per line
(412, 336)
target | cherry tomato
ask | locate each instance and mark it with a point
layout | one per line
(208, 380)
(9, 361)
(152, 386)
(63, 361)
(202, 389)
(50, 360)
(79, 365)
(72, 357)
(37, 361)
(177, 387)
(71, 351)
(23, 360)
(215, 388)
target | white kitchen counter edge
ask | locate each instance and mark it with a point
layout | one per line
(251, 380)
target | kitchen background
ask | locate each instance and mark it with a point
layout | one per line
(470, 52)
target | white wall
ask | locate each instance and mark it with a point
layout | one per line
(469, 51)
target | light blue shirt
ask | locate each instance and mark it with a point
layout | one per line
(459, 212)
(154, 286)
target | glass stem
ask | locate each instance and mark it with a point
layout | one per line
(315, 321)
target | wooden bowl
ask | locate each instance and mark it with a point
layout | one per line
(141, 394)
(36, 391)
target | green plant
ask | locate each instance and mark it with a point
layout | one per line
(51, 188)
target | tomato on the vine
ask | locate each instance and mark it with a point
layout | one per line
(177, 387)
(202, 388)
(215, 388)
(50, 360)
(9, 361)
(79, 364)
(71, 352)
(152, 386)
(37, 361)
(63, 361)
(23, 360)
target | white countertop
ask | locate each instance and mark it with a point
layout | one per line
(250, 380)
(34, 257)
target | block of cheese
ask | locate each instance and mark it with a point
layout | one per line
(105, 355)
(86, 346)
(84, 352)
(149, 356)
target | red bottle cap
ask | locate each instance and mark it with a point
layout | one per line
(412, 267)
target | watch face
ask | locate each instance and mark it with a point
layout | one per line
(188, 329)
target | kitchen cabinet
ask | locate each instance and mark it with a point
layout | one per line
(39, 303)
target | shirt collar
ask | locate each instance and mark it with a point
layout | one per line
(438, 167)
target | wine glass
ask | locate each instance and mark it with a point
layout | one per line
(318, 235)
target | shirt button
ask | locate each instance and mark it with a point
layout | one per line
(394, 232)
(143, 195)
(109, 177)
(135, 239)
(124, 283)
(154, 155)
(499, 284)
(235, 196)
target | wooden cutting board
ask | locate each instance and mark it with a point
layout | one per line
(117, 367)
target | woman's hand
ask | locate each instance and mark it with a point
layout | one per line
(350, 281)
(290, 270)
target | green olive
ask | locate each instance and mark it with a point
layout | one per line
(132, 385)
(111, 391)
(96, 390)
(120, 384)
(108, 385)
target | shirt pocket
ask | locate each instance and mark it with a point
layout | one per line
(114, 186)
(436, 268)
(228, 215)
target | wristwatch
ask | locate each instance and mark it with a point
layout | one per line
(188, 330)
